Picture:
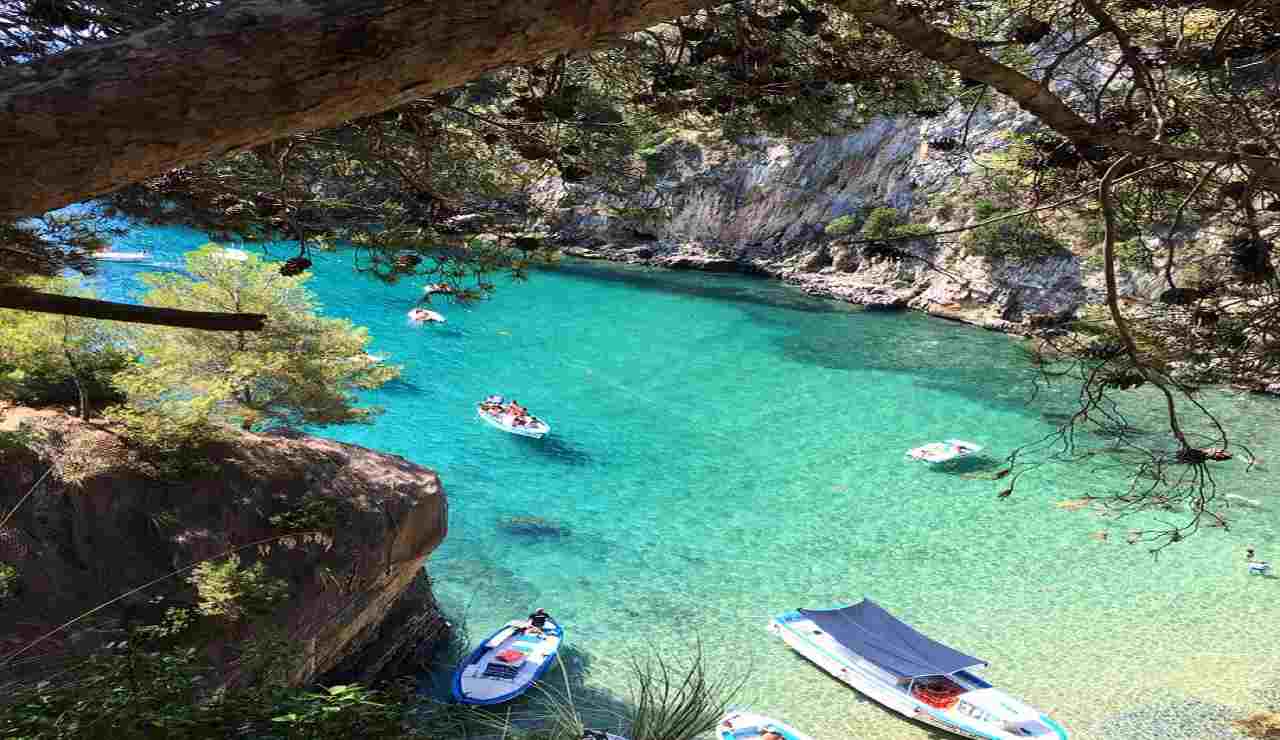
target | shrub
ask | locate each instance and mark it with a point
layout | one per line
(843, 225)
(8, 581)
(312, 513)
(888, 223)
(128, 693)
(1131, 254)
(228, 591)
(881, 222)
(1016, 238)
(985, 209)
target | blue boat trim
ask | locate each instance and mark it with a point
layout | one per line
(475, 655)
(1062, 731)
(948, 722)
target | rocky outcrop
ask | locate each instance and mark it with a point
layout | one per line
(348, 528)
(765, 210)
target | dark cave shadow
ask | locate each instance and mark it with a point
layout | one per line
(703, 285)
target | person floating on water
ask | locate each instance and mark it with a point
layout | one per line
(1256, 566)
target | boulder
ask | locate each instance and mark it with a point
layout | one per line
(104, 521)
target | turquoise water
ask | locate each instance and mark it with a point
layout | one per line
(726, 449)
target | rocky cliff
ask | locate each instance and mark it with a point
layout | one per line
(347, 528)
(766, 210)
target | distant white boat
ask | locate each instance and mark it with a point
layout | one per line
(121, 256)
(422, 315)
(231, 253)
(891, 663)
(940, 452)
(740, 725)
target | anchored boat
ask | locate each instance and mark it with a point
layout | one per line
(109, 256)
(940, 452)
(887, 660)
(497, 413)
(506, 665)
(742, 725)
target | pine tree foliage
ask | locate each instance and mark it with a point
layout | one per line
(301, 369)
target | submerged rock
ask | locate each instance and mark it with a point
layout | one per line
(533, 526)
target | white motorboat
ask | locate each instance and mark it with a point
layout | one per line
(742, 725)
(233, 254)
(940, 452)
(494, 413)
(506, 665)
(108, 256)
(422, 315)
(886, 659)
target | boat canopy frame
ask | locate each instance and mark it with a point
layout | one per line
(873, 633)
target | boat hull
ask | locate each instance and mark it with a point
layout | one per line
(471, 685)
(121, 256)
(534, 432)
(962, 719)
(738, 725)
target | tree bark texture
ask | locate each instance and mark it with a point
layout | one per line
(89, 308)
(93, 119)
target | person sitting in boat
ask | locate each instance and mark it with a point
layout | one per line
(1256, 566)
(515, 409)
(769, 733)
(537, 621)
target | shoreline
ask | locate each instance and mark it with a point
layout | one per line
(818, 284)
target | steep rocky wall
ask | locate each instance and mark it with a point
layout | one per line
(765, 211)
(101, 522)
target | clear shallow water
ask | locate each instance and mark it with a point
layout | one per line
(726, 449)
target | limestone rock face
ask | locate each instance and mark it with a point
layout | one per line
(102, 522)
(764, 208)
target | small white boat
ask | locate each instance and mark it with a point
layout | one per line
(233, 254)
(121, 256)
(422, 315)
(506, 665)
(740, 725)
(940, 452)
(494, 413)
(890, 662)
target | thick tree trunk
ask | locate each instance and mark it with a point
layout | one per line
(30, 300)
(93, 119)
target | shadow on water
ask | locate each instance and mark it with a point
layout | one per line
(402, 386)
(948, 362)
(732, 287)
(978, 467)
(556, 449)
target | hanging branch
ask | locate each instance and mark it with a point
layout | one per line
(91, 308)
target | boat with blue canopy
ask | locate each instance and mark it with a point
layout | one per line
(890, 662)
